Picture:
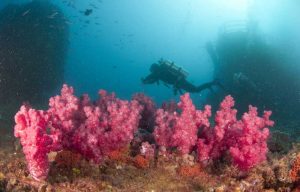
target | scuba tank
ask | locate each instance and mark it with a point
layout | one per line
(173, 69)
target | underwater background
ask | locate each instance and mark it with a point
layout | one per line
(112, 44)
(249, 49)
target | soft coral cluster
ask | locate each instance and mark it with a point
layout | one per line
(31, 128)
(180, 130)
(109, 126)
(96, 129)
(245, 140)
(92, 129)
(251, 136)
(211, 144)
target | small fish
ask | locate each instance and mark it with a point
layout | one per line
(53, 15)
(68, 22)
(26, 12)
(88, 12)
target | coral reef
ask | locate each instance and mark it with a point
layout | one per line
(294, 173)
(175, 173)
(180, 129)
(94, 129)
(70, 123)
(31, 128)
(82, 145)
(245, 140)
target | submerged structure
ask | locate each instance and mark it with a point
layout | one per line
(33, 47)
(250, 67)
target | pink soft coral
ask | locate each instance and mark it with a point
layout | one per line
(31, 128)
(213, 142)
(187, 124)
(246, 139)
(109, 125)
(251, 143)
(180, 129)
(92, 129)
(65, 117)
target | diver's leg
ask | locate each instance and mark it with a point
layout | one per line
(209, 85)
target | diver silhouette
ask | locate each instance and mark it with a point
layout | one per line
(170, 74)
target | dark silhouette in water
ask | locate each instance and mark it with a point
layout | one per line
(87, 12)
(33, 46)
(170, 74)
(254, 70)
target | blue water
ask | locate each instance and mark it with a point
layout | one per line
(113, 47)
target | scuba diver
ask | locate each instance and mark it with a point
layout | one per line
(170, 74)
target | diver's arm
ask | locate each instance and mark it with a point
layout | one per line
(150, 79)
